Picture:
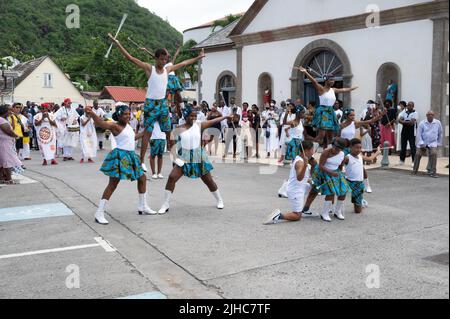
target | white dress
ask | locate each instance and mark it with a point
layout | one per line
(88, 139)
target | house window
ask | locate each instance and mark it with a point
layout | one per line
(48, 80)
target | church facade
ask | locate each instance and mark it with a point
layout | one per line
(404, 41)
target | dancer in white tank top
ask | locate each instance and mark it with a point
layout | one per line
(355, 173)
(297, 187)
(325, 119)
(192, 160)
(122, 163)
(156, 108)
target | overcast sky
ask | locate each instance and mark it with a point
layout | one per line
(184, 14)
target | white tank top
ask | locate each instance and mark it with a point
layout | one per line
(191, 139)
(297, 132)
(157, 85)
(328, 99)
(333, 163)
(295, 186)
(349, 132)
(354, 170)
(125, 140)
(167, 65)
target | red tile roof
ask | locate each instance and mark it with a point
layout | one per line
(124, 94)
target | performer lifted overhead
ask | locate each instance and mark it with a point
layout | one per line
(156, 108)
(325, 119)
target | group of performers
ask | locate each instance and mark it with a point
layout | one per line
(190, 158)
(307, 178)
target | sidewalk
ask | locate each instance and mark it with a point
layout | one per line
(442, 168)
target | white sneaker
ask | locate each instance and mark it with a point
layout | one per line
(309, 214)
(400, 163)
(326, 217)
(146, 211)
(100, 218)
(273, 217)
(144, 167)
(164, 209)
(160, 176)
(220, 204)
(154, 176)
(412, 165)
(365, 203)
(369, 189)
(282, 195)
(339, 215)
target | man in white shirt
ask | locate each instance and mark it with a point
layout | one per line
(408, 118)
(429, 138)
(68, 117)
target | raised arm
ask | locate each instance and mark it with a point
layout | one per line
(358, 124)
(316, 84)
(145, 66)
(178, 66)
(99, 122)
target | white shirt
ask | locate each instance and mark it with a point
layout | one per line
(409, 117)
(429, 134)
(294, 186)
(157, 85)
(328, 99)
(333, 163)
(167, 65)
(349, 132)
(99, 112)
(339, 115)
(354, 170)
(125, 140)
(157, 133)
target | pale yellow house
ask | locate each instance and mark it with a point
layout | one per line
(39, 81)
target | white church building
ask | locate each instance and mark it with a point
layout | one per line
(363, 45)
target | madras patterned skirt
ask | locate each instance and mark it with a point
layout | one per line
(174, 85)
(357, 189)
(325, 119)
(328, 185)
(124, 165)
(293, 149)
(197, 163)
(157, 147)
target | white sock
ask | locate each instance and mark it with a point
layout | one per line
(327, 207)
(142, 200)
(217, 195)
(102, 205)
(339, 206)
(167, 196)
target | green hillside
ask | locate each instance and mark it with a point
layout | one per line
(35, 28)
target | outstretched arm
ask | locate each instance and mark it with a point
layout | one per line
(175, 67)
(345, 90)
(316, 84)
(358, 124)
(210, 123)
(145, 66)
(373, 157)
